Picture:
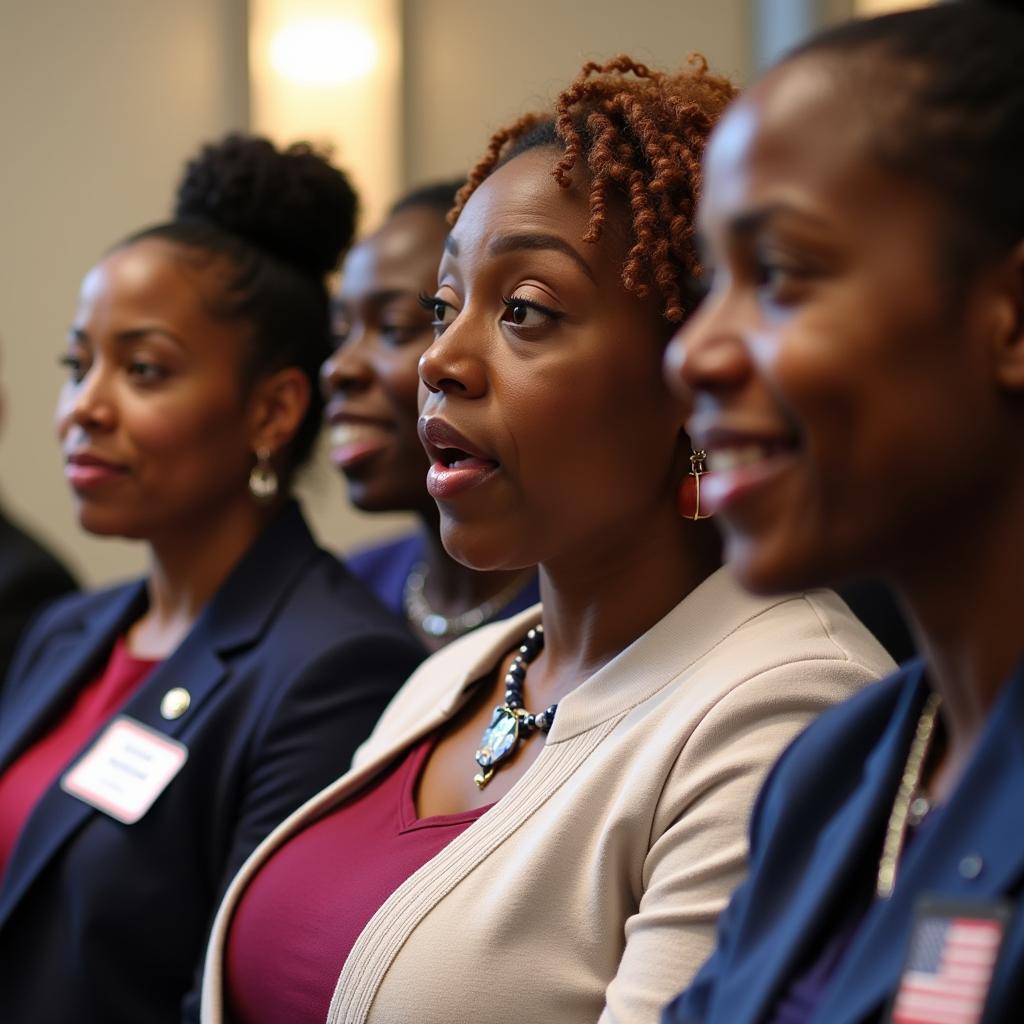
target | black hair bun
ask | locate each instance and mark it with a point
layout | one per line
(290, 202)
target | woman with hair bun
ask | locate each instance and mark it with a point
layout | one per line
(858, 366)
(551, 813)
(153, 733)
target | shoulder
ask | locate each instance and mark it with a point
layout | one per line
(751, 674)
(813, 626)
(726, 646)
(377, 557)
(384, 567)
(23, 558)
(330, 618)
(850, 731)
(73, 609)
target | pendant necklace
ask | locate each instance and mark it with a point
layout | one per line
(511, 722)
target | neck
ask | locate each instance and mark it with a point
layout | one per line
(598, 601)
(187, 566)
(965, 607)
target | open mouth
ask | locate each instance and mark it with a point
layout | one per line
(353, 441)
(740, 455)
(457, 464)
(458, 458)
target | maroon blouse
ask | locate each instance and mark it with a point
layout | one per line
(31, 775)
(301, 914)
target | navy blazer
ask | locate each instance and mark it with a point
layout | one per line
(816, 838)
(288, 667)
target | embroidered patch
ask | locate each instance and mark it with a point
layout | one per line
(951, 958)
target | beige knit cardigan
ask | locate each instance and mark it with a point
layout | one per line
(590, 891)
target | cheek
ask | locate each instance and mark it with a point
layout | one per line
(208, 430)
(63, 411)
(400, 375)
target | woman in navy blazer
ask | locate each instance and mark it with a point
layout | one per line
(247, 651)
(858, 372)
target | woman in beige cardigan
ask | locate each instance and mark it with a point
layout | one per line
(470, 867)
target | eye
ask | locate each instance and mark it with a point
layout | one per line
(443, 312)
(401, 334)
(75, 365)
(528, 314)
(781, 279)
(146, 373)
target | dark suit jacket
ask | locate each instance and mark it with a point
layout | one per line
(816, 838)
(288, 667)
(29, 577)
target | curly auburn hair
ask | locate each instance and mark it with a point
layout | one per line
(642, 138)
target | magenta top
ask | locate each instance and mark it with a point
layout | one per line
(24, 782)
(301, 914)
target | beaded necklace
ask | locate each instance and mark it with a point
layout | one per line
(511, 723)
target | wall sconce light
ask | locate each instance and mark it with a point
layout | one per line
(323, 52)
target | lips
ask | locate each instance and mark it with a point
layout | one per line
(85, 470)
(457, 463)
(742, 463)
(352, 441)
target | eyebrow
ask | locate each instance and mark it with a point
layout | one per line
(129, 336)
(752, 221)
(538, 241)
(378, 298)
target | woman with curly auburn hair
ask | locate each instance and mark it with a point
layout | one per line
(550, 815)
(153, 733)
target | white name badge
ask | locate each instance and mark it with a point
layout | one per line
(125, 770)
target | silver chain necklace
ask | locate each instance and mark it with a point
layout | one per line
(446, 627)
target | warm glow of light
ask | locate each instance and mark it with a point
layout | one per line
(870, 8)
(323, 51)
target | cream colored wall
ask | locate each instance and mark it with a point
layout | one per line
(472, 65)
(100, 103)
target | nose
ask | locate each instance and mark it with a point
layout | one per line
(88, 404)
(454, 364)
(708, 353)
(348, 369)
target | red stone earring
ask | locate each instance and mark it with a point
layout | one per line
(689, 489)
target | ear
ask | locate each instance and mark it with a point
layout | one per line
(1009, 334)
(277, 406)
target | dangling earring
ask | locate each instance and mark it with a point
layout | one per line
(263, 479)
(689, 489)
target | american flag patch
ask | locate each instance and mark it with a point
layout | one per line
(949, 967)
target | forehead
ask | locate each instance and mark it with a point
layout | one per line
(158, 283)
(152, 275)
(521, 198)
(801, 137)
(406, 246)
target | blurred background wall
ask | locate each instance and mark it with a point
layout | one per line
(102, 101)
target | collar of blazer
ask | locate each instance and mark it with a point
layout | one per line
(73, 646)
(985, 818)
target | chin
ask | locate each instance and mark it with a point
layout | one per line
(483, 548)
(764, 571)
(368, 495)
(109, 526)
